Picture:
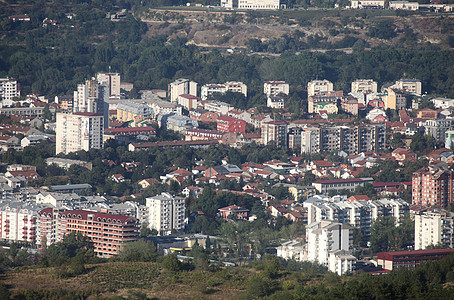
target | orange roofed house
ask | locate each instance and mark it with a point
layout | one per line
(234, 211)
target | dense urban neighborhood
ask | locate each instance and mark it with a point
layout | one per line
(138, 165)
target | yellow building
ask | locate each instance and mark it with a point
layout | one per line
(128, 111)
(395, 100)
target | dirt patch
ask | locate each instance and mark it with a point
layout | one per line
(227, 29)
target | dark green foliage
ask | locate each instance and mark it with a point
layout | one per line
(422, 143)
(384, 29)
(140, 250)
(271, 266)
(75, 248)
(386, 236)
(258, 286)
(171, 263)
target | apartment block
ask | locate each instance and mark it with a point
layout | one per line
(232, 86)
(182, 86)
(18, 221)
(438, 128)
(79, 131)
(272, 88)
(275, 131)
(188, 101)
(316, 87)
(413, 86)
(325, 98)
(9, 88)
(91, 97)
(109, 232)
(49, 230)
(165, 213)
(219, 107)
(433, 229)
(112, 83)
(328, 243)
(351, 139)
(230, 124)
(395, 99)
(433, 186)
(364, 86)
(128, 111)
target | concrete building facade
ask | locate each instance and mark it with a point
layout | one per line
(182, 86)
(79, 131)
(165, 213)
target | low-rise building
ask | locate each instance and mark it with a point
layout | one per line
(410, 259)
(275, 102)
(232, 125)
(128, 111)
(234, 212)
(324, 186)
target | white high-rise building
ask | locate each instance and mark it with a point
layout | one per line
(316, 87)
(18, 221)
(9, 88)
(182, 86)
(328, 243)
(165, 213)
(91, 97)
(79, 131)
(434, 228)
(112, 82)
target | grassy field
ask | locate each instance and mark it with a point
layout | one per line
(140, 280)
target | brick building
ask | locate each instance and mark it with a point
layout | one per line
(230, 124)
(109, 232)
(432, 186)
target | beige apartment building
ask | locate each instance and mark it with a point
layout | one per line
(364, 86)
(112, 81)
(272, 88)
(316, 87)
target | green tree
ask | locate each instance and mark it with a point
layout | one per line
(140, 250)
(171, 263)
